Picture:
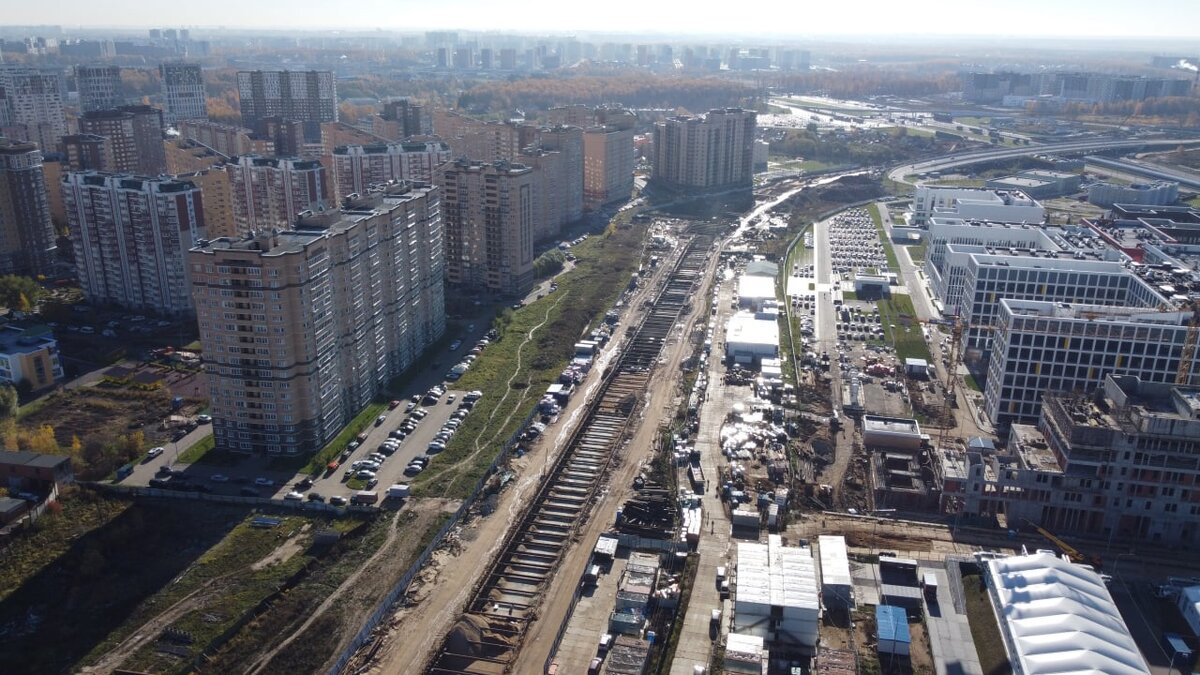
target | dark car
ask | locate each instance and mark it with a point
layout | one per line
(248, 492)
(304, 484)
(314, 497)
(337, 500)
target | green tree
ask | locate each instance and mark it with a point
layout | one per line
(8, 402)
(549, 263)
(17, 292)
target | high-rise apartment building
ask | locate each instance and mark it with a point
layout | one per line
(130, 235)
(269, 192)
(99, 87)
(26, 232)
(302, 328)
(607, 165)
(306, 96)
(183, 92)
(33, 107)
(358, 167)
(87, 152)
(489, 211)
(402, 118)
(134, 136)
(715, 151)
(227, 139)
(217, 192)
(568, 142)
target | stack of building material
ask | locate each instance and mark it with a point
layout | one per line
(746, 518)
(745, 654)
(693, 523)
(649, 514)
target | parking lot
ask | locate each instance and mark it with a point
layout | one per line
(854, 245)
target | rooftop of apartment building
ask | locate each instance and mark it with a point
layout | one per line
(130, 181)
(426, 144)
(312, 226)
(1127, 405)
(17, 340)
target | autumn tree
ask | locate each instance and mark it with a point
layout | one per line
(19, 292)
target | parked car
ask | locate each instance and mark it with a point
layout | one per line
(264, 482)
(219, 478)
(315, 497)
(204, 419)
(294, 496)
(337, 500)
(155, 452)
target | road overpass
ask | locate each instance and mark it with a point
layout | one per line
(899, 173)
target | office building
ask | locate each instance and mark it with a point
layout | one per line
(1159, 193)
(183, 92)
(608, 158)
(997, 206)
(1039, 184)
(1041, 347)
(309, 97)
(99, 87)
(1115, 462)
(489, 211)
(27, 242)
(358, 167)
(134, 137)
(29, 354)
(302, 328)
(33, 106)
(712, 152)
(268, 192)
(130, 235)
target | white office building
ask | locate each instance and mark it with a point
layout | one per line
(1040, 347)
(1002, 206)
(1160, 193)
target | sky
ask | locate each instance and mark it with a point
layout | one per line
(898, 18)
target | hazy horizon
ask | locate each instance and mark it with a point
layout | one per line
(900, 21)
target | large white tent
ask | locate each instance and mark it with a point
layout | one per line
(1058, 617)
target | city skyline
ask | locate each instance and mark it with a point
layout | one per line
(1069, 18)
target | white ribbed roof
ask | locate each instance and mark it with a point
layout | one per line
(1060, 618)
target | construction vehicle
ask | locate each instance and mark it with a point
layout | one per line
(1070, 551)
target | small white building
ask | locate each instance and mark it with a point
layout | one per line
(891, 432)
(837, 588)
(753, 291)
(749, 340)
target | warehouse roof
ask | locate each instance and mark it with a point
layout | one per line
(835, 561)
(1058, 617)
(745, 329)
(756, 287)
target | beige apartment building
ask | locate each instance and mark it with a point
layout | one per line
(358, 167)
(268, 192)
(490, 211)
(607, 165)
(301, 328)
(709, 152)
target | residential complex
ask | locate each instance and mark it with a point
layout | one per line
(130, 235)
(358, 167)
(302, 328)
(99, 87)
(183, 92)
(998, 206)
(1012, 88)
(27, 243)
(1117, 462)
(489, 211)
(1041, 347)
(569, 143)
(226, 139)
(134, 138)
(269, 192)
(29, 354)
(308, 96)
(32, 106)
(87, 152)
(714, 151)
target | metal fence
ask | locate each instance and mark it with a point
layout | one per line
(388, 602)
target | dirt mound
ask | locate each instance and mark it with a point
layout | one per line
(467, 636)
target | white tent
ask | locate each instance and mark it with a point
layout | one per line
(1059, 617)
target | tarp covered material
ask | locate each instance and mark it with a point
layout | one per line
(1057, 616)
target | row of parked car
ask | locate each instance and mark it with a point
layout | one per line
(464, 365)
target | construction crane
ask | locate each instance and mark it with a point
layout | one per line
(1066, 548)
(1183, 376)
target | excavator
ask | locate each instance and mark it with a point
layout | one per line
(1066, 548)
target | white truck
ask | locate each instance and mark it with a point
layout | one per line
(398, 491)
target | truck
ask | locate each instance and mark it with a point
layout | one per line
(365, 497)
(696, 477)
(398, 491)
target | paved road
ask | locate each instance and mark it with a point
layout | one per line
(966, 159)
(949, 633)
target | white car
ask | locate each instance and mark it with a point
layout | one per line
(264, 482)
(294, 496)
(155, 452)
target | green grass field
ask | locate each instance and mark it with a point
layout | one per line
(984, 632)
(199, 450)
(901, 328)
(893, 264)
